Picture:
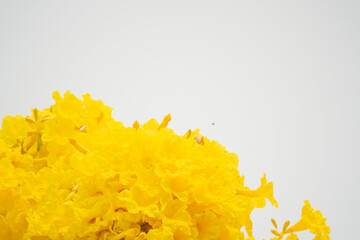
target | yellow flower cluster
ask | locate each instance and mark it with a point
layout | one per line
(72, 172)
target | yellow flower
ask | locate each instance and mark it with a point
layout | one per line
(313, 221)
(14, 130)
(71, 172)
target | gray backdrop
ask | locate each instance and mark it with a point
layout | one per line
(280, 79)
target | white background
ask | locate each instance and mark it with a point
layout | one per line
(280, 79)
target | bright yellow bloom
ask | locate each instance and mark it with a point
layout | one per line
(310, 220)
(313, 221)
(72, 172)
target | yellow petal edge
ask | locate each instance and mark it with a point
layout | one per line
(71, 171)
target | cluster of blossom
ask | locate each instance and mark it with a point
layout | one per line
(72, 172)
